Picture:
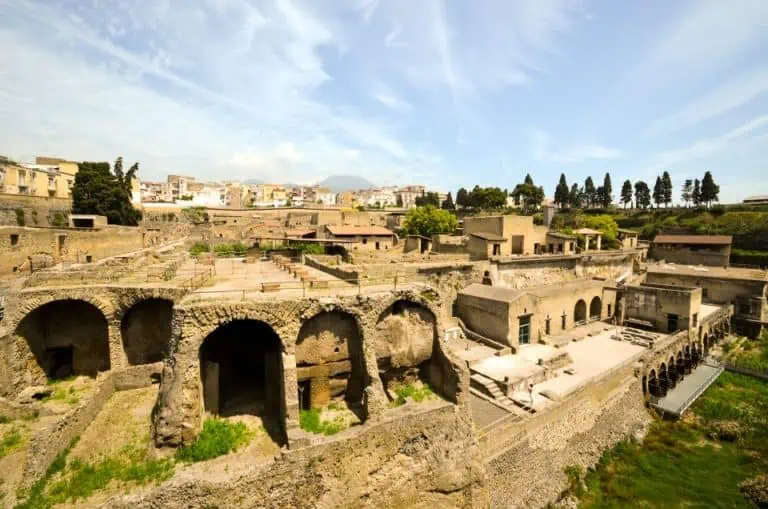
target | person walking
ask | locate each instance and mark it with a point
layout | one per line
(530, 393)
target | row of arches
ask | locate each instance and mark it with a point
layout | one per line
(71, 337)
(580, 310)
(670, 372)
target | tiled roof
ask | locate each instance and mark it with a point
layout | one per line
(558, 235)
(488, 236)
(724, 240)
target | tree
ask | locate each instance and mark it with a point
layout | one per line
(562, 192)
(666, 186)
(687, 193)
(696, 196)
(709, 190)
(428, 221)
(589, 191)
(528, 179)
(658, 192)
(607, 196)
(462, 198)
(488, 198)
(97, 190)
(399, 200)
(626, 193)
(448, 202)
(642, 195)
(575, 196)
(530, 195)
(600, 195)
(428, 199)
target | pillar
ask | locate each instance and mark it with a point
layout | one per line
(290, 392)
(599, 239)
(586, 243)
(211, 387)
(117, 358)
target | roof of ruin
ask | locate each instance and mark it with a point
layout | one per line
(491, 292)
(360, 230)
(723, 240)
(299, 232)
(709, 272)
(588, 231)
(627, 231)
(488, 236)
(559, 235)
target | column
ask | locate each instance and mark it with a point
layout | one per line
(599, 238)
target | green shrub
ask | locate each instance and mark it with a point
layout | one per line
(749, 257)
(218, 437)
(417, 394)
(34, 216)
(10, 441)
(199, 248)
(58, 219)
(4, 419)
(20, 219)
(309, 420)
(223, 250)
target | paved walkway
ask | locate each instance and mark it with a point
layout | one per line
(685, 393)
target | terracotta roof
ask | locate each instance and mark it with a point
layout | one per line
(298, 232)
(488, 236)
(628, 232)
(379, 231)
(723, 240)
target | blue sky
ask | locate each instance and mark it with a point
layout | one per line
(447, 93)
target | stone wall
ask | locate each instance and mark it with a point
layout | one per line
(527, 459)
(323, 263)
(718, 256)
(36, 210)
(18, 245)
(425, 459)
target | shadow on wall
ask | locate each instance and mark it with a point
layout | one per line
(146, 331)
(65, 338)
(329, 360)
(241, 370)
(407, 348)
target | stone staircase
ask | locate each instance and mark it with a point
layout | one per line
(489, 388)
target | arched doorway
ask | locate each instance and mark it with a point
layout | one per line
(146, 331)
(595, 308)
(241, 369)
(663, 380)
(405, 337)
(66, 337)
(672, 372)
(680, 364)
(580, 312)
(653, 385)
(329, 361)
(706, 344)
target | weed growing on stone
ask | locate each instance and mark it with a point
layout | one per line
(686, 464)
(417, 394)
(4, 419)
(310, 420)
(61, 394)
(218, 437)
(10, 441)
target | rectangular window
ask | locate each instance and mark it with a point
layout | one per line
(609, 310)
(563, 321)
(744, 308)
(549, 322)
(14, 239)
(695, 320)
(525, 330)
(704, 293)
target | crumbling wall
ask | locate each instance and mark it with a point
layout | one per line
(35, 210)
(550, 270)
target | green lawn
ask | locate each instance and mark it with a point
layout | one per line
(680, 465)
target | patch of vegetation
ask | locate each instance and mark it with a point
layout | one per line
(417, 394)
(80, 479)
(219, 437)
(62, 394)
(20, 218)
(227, 250)
(4, 419)
(751, 354)
(10, 441)
(199, 248)
(34, 216)
(685, 464)
(311, 421)
(58, 219)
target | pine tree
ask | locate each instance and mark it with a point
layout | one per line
(709, 190)
(696, 196)
(642, 195)
(589, 191)
(607, 197)
(528, 179)
(575, 196)
(687, 193)
(666, 185)
(561, 192)
(448, 202)
(626, 193)
(462, 197)
(658, 192)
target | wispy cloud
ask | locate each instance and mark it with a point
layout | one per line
(575, 153)
(736, 92)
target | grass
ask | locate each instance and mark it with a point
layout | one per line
(4, 419)
(311, 421)
(78, 480)
(679, 464)
(218, 437)
(417, 394)
(10, 441)
(748, 353)
(62, 394)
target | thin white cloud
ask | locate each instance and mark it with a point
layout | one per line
(542, 151)
(392, 102)
(736, 92)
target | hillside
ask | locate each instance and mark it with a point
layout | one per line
(340, 183)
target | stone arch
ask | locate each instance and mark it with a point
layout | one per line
(653, 384)
(580, 312)
(405, 339)
(33, 301)
(672, 370)
(241, 371)
(145, 329)
(707, 345)
(680, 365)
(330, 361)
(663, 379)
(595, 308)
(65, 337)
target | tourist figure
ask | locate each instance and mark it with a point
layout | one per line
(530, 393)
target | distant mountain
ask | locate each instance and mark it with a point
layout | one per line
(340, 183)
(253, 181)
